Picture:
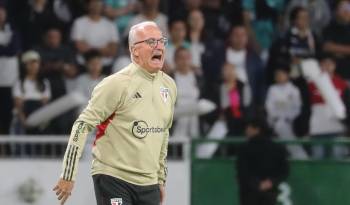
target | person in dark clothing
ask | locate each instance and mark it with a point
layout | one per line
(261, 165)
(336, 38)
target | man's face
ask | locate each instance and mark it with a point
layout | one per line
(251, 131)
(95, 65)
(302, 20)
(150, 57)
(196, 20)
(183, 60)
(2, 15)
(95, 7)
(151, 3)
(53, 38)
(343, 11)
(228, 73)
(328, 65)
(178, 31)
(239, 38)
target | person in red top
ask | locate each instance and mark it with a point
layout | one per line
(323, 123)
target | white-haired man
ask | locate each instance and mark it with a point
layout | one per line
(132, 111)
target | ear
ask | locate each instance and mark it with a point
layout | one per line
(135, 51)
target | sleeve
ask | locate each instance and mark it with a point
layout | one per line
(269, 105)
(16, 91)
(47, 91)
(163, 169)
(76, 33)
(74, 150)
(295, 108)
(106, 99)
(114, 33)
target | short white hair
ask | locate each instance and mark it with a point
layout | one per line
(134, 28)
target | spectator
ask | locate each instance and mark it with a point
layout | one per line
(121, 12)
(261, 18)
(188, 91)
(283, 105)
(318, 10)
(231, 101)
(300, 40)
(177, 40)
(93, 31)
(86, 82)
(261, 166)
(249, 67)
(298, 43)
(336, 38)
(182, 9)
(9, 48)
(54, 57)
(150, 12)
(196, 36)
(323, 123)
(33, 20)
(217, 26)
(31, 92)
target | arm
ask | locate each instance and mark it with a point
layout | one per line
(336, 48)
(295, 108)
(82, 46)
(72, 155)
(110, 50)
(106, 99)
(163, 170)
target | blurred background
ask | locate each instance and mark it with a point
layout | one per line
(262, 115)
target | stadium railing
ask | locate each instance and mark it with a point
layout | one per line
(54, 146)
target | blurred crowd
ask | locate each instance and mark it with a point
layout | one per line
(245, 56)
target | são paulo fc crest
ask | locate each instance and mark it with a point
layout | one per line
(164, 93)
(116, 201)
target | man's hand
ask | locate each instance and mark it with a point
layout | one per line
(63, 190)
(162, 194)
(265, 185)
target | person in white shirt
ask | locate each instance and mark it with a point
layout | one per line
(248, 64)
(87, 81)
(283, 105)
(196, 24)
(32, 91)
(177, 39)
(187, 93)
(93, 31)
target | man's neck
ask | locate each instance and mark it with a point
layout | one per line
(94, 17)
(150, 13)
(144, 68)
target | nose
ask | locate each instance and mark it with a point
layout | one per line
(159, 45)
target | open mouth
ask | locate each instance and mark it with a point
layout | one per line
(157, 57)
